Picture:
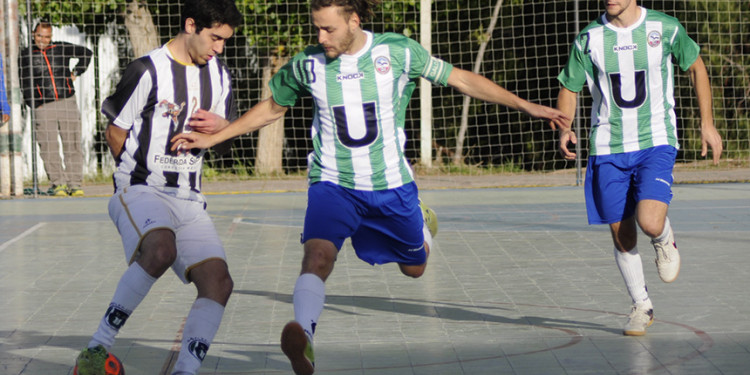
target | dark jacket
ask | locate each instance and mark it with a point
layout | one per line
(50, 69)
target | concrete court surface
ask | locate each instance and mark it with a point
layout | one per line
(517, 283)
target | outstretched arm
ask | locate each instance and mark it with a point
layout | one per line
(481, 88)
(260, 115)
(709, 135)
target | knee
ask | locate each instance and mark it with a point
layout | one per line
(413, 271)
(319, 258)
(224, 287)
(156, 260)
(652, 228)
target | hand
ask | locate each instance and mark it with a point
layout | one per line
(207, 122)
(184, 142)
(567, 135)
(557, 119)
(710, 137)
(6, 117)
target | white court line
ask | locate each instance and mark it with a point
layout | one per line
(21, 236)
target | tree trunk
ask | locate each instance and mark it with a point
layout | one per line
(140, 25)
(270, 138)
(458, 155)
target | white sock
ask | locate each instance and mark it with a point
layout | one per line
(631, 268)
(427, 236)
(309, 297)
(200, 328)
(664, 233)
(132, 288)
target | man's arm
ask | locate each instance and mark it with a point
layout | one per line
(566, 102)
(116, 137)
(83, 55)
(709, 135)
(481, 88)
(264, 113)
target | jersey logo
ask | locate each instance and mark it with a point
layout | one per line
(382, 65)
(640, 90)
(172, 110)
(625, 48)
(349, 76)
(654, 39)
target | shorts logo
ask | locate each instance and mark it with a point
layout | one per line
(382, 65)
(654, 39)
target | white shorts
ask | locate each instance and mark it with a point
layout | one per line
(137, 210)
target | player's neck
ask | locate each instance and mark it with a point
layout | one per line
(178, 48)
(360, 40)
(627, 18)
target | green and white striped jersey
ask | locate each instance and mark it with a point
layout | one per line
(360, 107)
(629, 72)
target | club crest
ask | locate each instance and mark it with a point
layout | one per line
(654, 39)
(382, 65)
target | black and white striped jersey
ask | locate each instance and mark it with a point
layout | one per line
(153, 101)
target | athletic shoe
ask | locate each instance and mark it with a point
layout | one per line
(58, 191)
(667, 258)
(430, 218)
(76, 192)
(91, 361)
(641, 317)
(298, 348)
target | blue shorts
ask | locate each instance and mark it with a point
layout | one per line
(616, 183)
(384, 226)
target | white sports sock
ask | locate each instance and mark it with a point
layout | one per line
(309, 297)
(132, 288)
(665, 233)
(631, 268)
(427, 236)
(200, 328)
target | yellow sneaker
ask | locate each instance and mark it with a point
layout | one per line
(430, 218)
(76, 192)
(58, 191)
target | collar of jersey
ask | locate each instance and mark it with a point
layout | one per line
(629, 28)
(171, 55)
(365, 48)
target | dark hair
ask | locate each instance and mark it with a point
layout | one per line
(364, 8)
(43, 24)
(210, 13)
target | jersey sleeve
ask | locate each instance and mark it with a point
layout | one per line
(429, 67)
(684, 49)
(286, 85)
(124, 106)
(573, 75)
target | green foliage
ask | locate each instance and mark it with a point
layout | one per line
(90, 16)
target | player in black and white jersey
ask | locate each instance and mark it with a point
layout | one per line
(158, 207)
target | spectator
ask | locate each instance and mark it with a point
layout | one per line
(47, 85)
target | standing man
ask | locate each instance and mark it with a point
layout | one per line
(47, 86)
(627, 58)
(158, 207)
(361, 184)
